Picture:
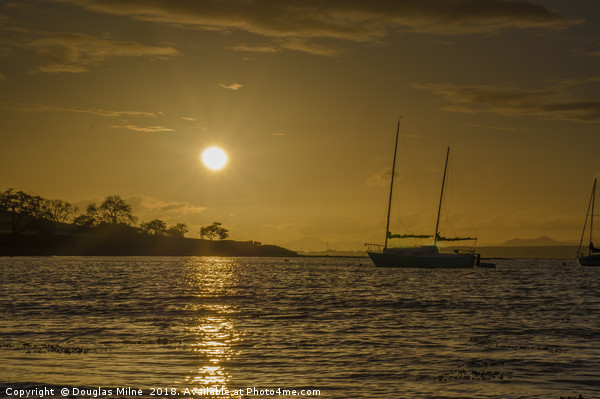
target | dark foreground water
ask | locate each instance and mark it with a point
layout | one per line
(334, 328)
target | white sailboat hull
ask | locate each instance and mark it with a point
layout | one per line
(425, 257)
(437, 261)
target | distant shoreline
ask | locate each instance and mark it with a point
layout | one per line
(488, 252)
(129, 243)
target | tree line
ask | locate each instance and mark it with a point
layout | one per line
(32, 212)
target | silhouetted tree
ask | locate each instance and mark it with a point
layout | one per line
(154, 227)
(58, 210)
(113, 210)
(84, 221)
(213, 231)
(22, 208)
(177, 230)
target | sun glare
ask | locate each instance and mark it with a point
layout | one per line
(214, 158)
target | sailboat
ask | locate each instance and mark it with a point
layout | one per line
(593, 254)
(425, 256)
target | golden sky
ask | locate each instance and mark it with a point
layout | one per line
(101, 97)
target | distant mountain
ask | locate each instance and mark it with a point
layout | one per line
(533, 252)
(542, 241)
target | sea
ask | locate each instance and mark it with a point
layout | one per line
(219, 327)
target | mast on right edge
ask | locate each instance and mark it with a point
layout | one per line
(592, 219)
(590, 214)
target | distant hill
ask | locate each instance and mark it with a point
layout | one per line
(531, 252)
(542, 241)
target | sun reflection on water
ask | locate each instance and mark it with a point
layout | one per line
(214, 280)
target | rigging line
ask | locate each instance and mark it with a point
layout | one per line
(379, 227)
(412, 169)
(386, 216)
(464, 198)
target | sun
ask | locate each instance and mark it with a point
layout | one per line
(214, 158)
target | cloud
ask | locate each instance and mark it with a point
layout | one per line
(500, 128)
(233, 86)
(150, 207)
(297, 22)
(308, 47)
(99, 112)
(122, 115)
(267, 49)
(74, 52)
(291, 44)
(2, 76)
(380, 179)
(555, 103)
(150, 129)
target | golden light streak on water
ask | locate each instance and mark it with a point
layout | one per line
(216, 333)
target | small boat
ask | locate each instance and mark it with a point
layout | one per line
(593, 254)
(425, 256)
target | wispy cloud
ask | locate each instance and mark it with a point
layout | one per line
(188, 118)
(148, 208)
(555, 103)
(488, 127)
(75, 53)
(298, 22)
(149, 129)
(380, 179)
(95, 111)
(121, 115)
(266, 49)
(233, 86)
(154, 207)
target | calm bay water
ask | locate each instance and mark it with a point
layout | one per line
(527, 329)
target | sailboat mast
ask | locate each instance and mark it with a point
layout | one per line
(592, 216)
(387, 226)
(437, 222)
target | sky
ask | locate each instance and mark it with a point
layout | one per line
(103, 97)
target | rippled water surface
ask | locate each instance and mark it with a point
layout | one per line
(527, 329)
